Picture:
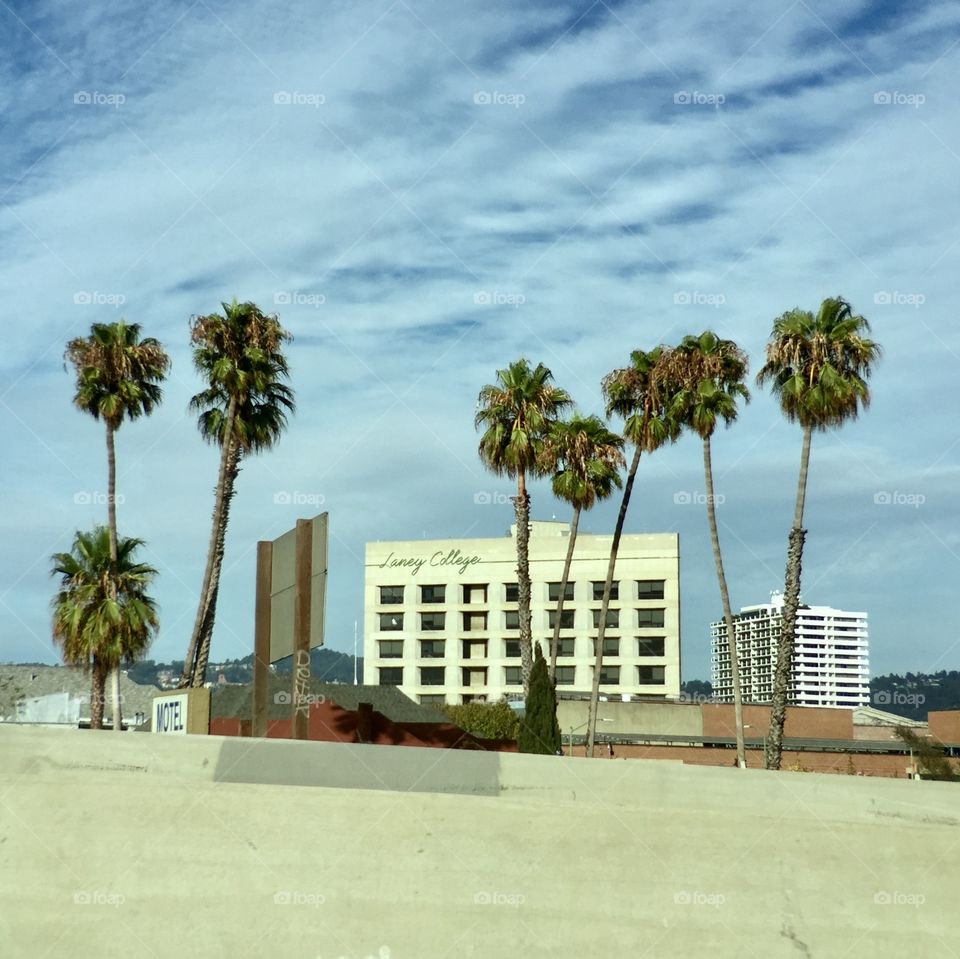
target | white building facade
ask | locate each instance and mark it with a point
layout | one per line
(441, 619)
(831, 662)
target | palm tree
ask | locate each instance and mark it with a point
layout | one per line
(708, 374)
(637, 394)
(102, 615)
(586, 458)
(818, 366)
(118, 377)
(243, 410)
(516, 414)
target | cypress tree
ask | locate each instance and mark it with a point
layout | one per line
(539, 729)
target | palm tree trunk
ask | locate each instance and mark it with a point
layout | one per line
(773, 752)
(601, 632)
(522, 511)
(97, 691)
(189, 663)
(112, 525)
(725, 599)
(206, 632)
(555, 641)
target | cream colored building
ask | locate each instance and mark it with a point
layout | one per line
(441, 619)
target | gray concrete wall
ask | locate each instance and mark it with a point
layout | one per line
(619, 717)
(175, 846)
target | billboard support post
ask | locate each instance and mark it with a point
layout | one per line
(261, 638)
(301, 628)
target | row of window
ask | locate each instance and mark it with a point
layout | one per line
(473, 676)
(479, 622)
(474, 593)
(478, 649)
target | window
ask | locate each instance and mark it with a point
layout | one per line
(650, 646)
(391, 622)
(565, 646)
(512, 648)
(391, 676)
(474, 622)
(513, 676)
(565, 675)
(432, 621)
(474, 676)
(511, 619)
(610, 676)
(566, 619)
(431, 648)
(391, 648)
(651, 675)
(432, 594)
(650, 589)
(613, 618)
(650, 617)
(554, 592)
(611, 646)
(431, 675)
(391, 595)
(598, 590)
(512, 592)
(475, 594)
(432, 699)
(474, 648)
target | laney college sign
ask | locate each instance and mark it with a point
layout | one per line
(453, 557)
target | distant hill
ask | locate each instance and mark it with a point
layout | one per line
(916, 694)
(325, 664)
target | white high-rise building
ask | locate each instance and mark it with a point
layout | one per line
(831, 662)
(442, 620)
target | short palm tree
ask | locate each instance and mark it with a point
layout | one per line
(243, 410)
(637, 393)
(102, 614)
(118, 377)
(516, 414)
(586, 458)
(708, 375)
(818, 366)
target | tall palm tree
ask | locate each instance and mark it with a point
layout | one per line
(708, 374)
(102, 615)
(118, 377)
(516, 414)
(243, 410)
(636, 393)
(586, 459)
(817, 366)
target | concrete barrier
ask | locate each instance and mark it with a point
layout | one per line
(202, 846)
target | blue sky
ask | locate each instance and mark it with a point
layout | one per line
(424, 192)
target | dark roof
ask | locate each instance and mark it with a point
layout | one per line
(235, 701)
